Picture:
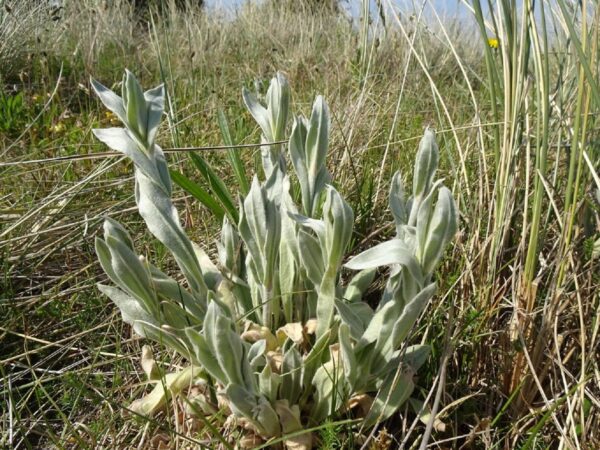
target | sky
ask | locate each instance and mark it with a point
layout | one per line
(446, 9)
(449, 8)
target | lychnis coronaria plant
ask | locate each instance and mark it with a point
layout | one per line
(274, 336)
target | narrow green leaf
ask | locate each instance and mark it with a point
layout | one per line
(395, 390)
(291, 375)
(387, 253)
(204, 356)
(269, 383)
(155, 101)
(198, 193)
(259, 112)
(216, 186)
(111, 100)
(253, 407)
(426, 163)
(583, 58)
(348, 356)
(359, 285)
(234, 154)
(354, 315)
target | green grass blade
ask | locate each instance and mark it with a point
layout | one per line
(234, 154)
(584, 59)
(534, 431)
(198, 193)
(216, 186)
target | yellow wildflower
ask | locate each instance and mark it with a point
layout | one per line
(111, 117)
(493, 42)
(58, 128)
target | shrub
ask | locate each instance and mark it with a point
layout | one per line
(270, 326)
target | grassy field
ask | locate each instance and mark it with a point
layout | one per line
(514, 327)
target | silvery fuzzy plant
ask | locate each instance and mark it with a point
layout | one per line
(270, 327)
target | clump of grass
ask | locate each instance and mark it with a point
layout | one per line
(20, 24)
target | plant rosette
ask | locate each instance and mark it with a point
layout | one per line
(273, 336)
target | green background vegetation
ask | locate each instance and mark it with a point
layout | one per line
(515, 326)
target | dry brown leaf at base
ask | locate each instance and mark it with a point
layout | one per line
(289, 417)
(362, 402)
(294, 331)
(248, 441)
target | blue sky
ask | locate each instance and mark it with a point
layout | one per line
(449, 8)
(446, 9)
